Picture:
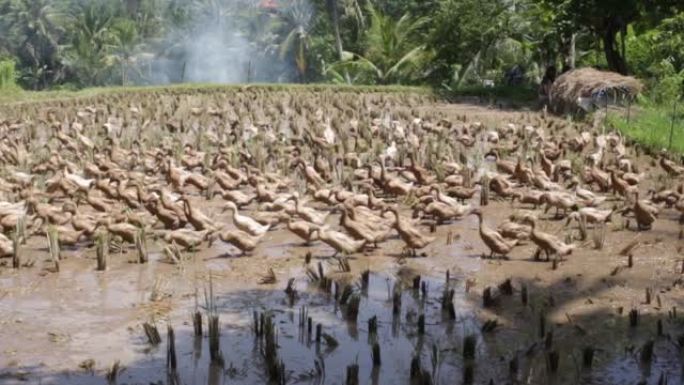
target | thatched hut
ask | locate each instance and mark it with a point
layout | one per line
(585, 89)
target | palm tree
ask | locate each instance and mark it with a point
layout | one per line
(125, 35)
(392, 54)
(297, 19)
(91, 39)
(34, 29)
(335, 19)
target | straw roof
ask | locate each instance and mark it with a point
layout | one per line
(584, 86)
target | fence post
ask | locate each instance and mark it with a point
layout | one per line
(674, 119)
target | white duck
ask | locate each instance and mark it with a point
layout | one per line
(245, 223)
(82, 183)
(308, 213)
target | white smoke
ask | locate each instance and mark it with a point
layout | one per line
(217, 57)
(215, 49)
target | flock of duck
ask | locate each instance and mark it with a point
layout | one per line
(353, 175)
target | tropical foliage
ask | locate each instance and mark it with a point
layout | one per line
(445, 43)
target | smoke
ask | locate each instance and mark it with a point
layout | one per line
(214, 56)
(228, 42)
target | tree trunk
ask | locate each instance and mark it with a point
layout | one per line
(335, 18)
(623, 36)
(573, 51)
(615, 61)
(123, 73)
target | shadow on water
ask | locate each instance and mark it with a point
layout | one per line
(512, 341)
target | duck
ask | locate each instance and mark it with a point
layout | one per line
(533, 197)
(501, 186)
(324, 195)
(620, 186)
(69, 237)
(128, 195)
(444, 212)
(633, 179)
(587, 197)
(462, 193)
(392, 185)
(522, 173)
(360, 230)
(644, 212)
(82, 183)
(86, 223)
(245, 223)
(590, 215)
(243, 241)
(375, 221)
(669, 197)
(308, 213)
(439, 196)
(125, 230)
(496, 243)
(513, 230)
(559, 200)
(168, 218)
(239, 198)
(412, 237)
(310, 174)
(303, 229)
(548, 243)
(47, 212)
(502, 166)
(106, 187)
(600, 178)
(225, 181)
(421, 174)
(99, 204)
(265, 193)
(186, 238)
(341, 242)
(197, 218)
(6, 247)
(270, 218)
(671, 167)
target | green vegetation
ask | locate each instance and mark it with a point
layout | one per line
(446, 44)
(650, 125)
(8, 76)
(521, 94)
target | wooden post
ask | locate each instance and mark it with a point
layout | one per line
(674, 119)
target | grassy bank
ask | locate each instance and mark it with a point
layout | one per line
(523, 96)
(650, 126)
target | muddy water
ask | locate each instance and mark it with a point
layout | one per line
(53, 323)
(69, 327)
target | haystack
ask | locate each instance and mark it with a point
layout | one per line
(587, 88)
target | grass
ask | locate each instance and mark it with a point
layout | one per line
(650, 125)
(523, 95)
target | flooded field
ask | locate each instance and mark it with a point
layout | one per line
(127, 218)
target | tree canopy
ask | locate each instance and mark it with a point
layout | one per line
(446, 43)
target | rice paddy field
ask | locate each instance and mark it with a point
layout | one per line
(293, 235)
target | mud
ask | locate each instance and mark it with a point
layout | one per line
(70, 327)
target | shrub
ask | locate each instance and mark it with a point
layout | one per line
(8, 75)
